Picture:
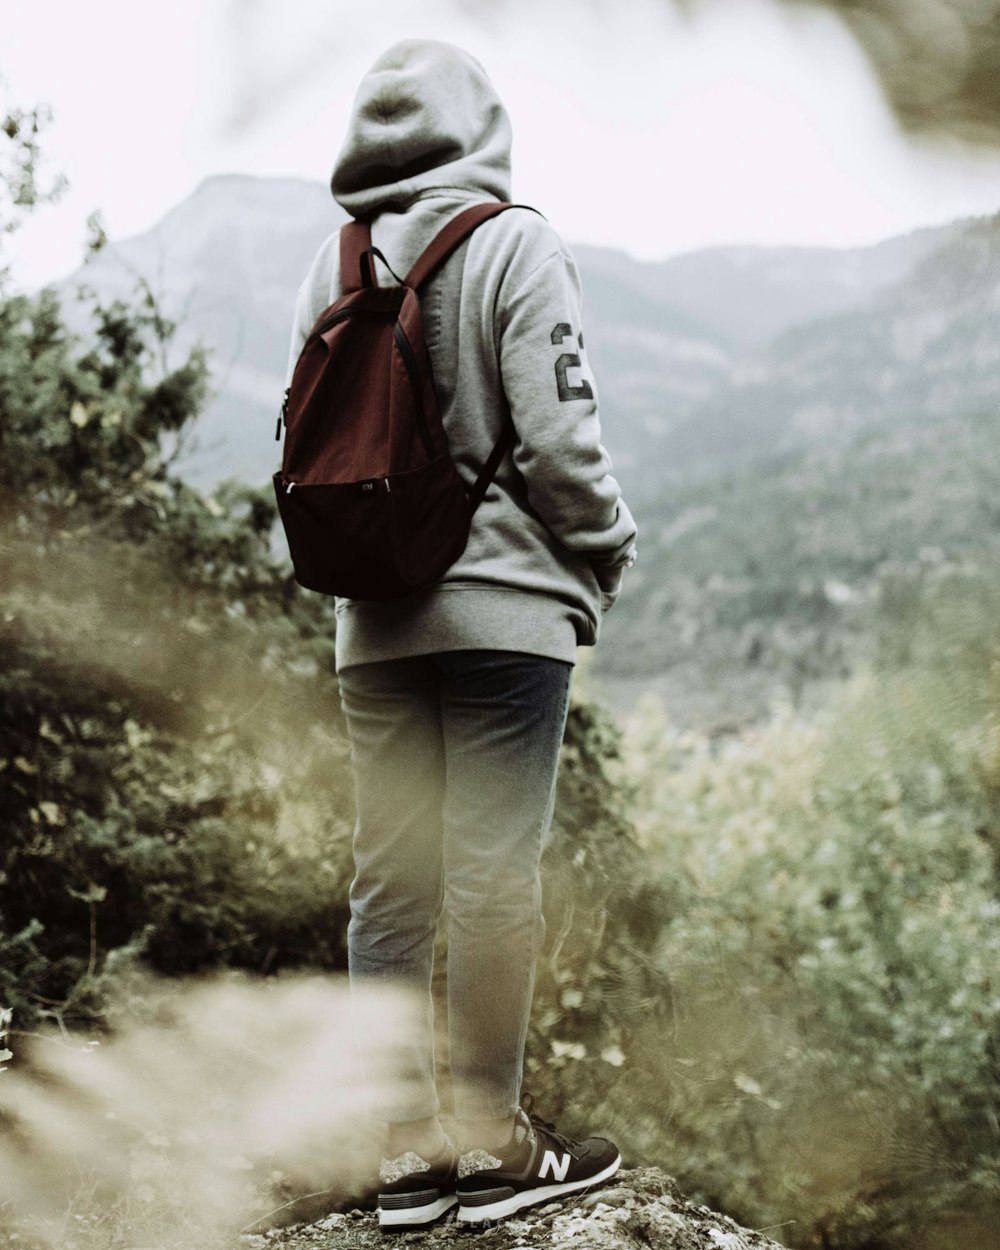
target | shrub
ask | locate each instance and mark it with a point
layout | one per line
(834, 1059)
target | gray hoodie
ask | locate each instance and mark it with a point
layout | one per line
(428, 136)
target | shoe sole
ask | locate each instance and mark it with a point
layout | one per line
(529, 1197)
(407, 1217)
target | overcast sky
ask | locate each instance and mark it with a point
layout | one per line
(633, 127)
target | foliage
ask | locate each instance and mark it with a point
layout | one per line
(167, 699)
(164, 703)
(834, 1059)
(20, 171)
(596, 981)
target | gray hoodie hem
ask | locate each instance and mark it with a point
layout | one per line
(476, 619)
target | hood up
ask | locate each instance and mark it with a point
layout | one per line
(425, 116)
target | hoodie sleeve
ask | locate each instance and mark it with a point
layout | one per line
(300, 331)
(553, 402)
(313, 296)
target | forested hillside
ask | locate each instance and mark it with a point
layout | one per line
(927, 346)
(774, 577)
(842, 470)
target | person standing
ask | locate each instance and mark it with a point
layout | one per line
(456, 696)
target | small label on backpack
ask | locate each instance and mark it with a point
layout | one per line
(376, 483)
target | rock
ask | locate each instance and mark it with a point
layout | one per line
(330, 1221)
(642, 1208)
(616, 1197)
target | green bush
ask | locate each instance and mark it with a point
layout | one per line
(165, 698)
(834, 1055)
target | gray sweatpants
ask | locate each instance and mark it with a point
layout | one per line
(455, 758)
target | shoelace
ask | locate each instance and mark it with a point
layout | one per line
(548, 1128)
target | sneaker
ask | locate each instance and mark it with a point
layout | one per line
(415, 1191)
(536, 1165)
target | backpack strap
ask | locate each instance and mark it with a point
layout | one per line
(357, 265)
(434, 255)
(488, 472)
(450, 236)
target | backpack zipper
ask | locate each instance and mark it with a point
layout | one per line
(342, 315)
(282, 416)
(410, 362)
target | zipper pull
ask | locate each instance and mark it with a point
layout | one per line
(282, 416)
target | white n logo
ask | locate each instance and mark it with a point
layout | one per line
(558, 1168)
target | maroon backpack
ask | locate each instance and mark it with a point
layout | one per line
(369, 496)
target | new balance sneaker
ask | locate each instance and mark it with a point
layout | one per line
(536, 1165)
(415, 1191)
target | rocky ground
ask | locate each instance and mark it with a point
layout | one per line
(642, 1208)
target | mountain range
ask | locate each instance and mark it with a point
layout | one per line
(722, 349)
